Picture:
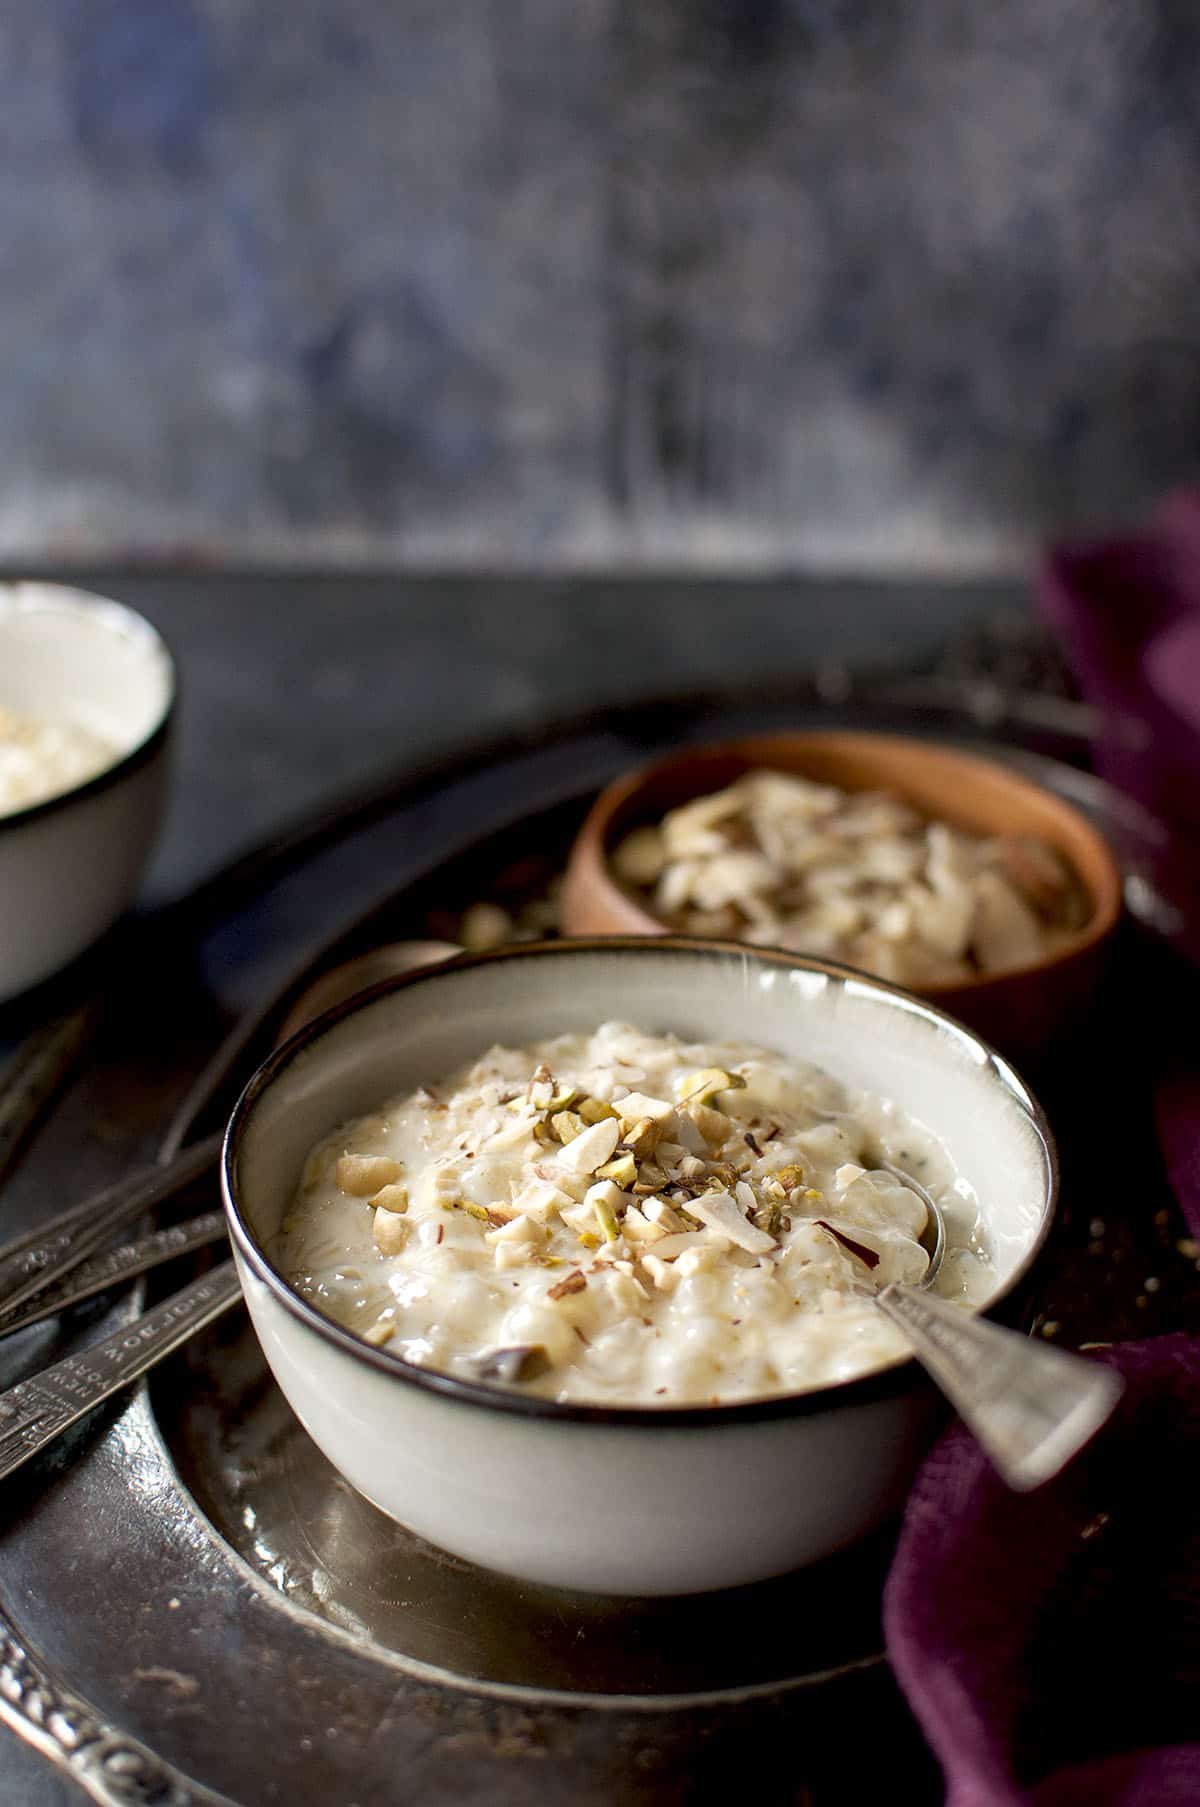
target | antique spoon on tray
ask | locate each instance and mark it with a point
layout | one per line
(1031, 1406)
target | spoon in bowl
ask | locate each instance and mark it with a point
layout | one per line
(1031, 1407)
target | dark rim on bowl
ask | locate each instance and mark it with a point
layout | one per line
(134, 627)
(879, 1383)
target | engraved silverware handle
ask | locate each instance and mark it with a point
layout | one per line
(36, 1410)
(1031, 1407)
(97, 1273)
(33, 1261)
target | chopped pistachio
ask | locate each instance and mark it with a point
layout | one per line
(699, 1087)
(622, 1172)
(381, 1332)
(642, 1137)
(594, 1110)
(607, 1220)
(567, 1124)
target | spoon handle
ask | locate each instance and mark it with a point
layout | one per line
(96, 1273)
(1030, 1406)
(35, 1411)
(30, 1262)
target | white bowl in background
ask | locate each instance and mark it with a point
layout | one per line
(71, 863)
(629, 1500)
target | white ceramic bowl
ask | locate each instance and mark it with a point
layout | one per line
(634, 1500)
(69, 865)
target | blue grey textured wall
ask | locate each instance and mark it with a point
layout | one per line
(849, 284)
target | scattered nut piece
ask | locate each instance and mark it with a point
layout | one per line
(713, 1125)
(390, 1232)
(590, 1149)
(362, 1175)
(720, 1212)
(392, 1198)
(701, 1086)
(622, 1172)
(574, 1283)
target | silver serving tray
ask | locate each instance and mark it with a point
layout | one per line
(194, 1607)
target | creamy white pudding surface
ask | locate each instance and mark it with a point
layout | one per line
(40, 758)
(624, 1218)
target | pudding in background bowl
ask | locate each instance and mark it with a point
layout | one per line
(927, 865)
(87, 690)
(617, 1497)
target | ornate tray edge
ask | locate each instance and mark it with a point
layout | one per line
(114, 1769)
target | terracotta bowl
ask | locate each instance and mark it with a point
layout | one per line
(1019, 1009)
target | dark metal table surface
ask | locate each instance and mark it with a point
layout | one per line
(296, 691)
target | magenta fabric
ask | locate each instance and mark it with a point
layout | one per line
(1049, 1643)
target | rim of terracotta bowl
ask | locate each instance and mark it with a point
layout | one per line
(63, 599)
(616, 808)
(886, 1381)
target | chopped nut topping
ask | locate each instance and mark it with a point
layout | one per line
(642, 1137)
(362, 1175)
(622, 1172)
(567, 1124)
(699, 1087)
(390, 1232)
(392, 1198)
(594, 1110)
(713, 1125)
(589, 1150)
(573, 1283)
(722, 1213)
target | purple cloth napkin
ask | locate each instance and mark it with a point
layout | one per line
(1049, 1643)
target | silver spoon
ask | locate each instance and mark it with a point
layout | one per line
(1031, 1407)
